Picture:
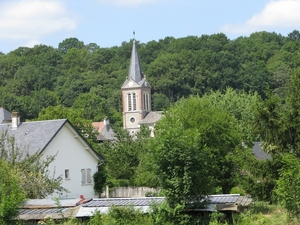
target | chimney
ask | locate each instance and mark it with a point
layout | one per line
(106, 123)
(15, 120)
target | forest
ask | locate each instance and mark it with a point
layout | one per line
(218, 96)
(84, 75)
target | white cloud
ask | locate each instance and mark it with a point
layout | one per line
(125, 2)
(32, 19)
(276, 14)
(32, 43)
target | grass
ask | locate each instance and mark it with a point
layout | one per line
(262, 213)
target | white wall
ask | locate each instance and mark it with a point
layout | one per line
(71, 155)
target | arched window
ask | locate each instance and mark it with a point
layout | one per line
(146, 101)
(129, 102)
(134, 101)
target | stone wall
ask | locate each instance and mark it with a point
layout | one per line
(129, 192)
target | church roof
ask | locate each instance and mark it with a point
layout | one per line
(135, 69)
(152, 117)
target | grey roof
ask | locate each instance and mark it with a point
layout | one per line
(230, 198)
(103, 204)
(135, 69)
(259, 153)
(107, 202)
(5, 116)
(152, 117)
(37, 209)
(35, 136)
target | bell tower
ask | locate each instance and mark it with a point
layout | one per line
(136, 94)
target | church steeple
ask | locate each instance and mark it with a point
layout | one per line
(135, 69)
(136, 94)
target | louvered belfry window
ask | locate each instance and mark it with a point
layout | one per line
(134, 101)
(129, 102)
(146, 101)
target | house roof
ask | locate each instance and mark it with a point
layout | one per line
(103, 204)
(35, 136)
(152, 117)
(37, 209)
(259, 153)
(105, 131)
(5, 116)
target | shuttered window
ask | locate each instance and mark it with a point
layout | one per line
(83, 177)
(89, 176)
(86, 176)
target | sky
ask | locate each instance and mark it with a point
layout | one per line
(108, 23)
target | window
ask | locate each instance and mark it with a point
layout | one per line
(132, 119)
(146, 101)
(134, 101)
(67, 174)
(129, 102)
(86, 176)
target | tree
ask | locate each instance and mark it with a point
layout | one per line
(32, 173)
(11, 194)
(240, 105)
(288, 185)
(193, 148)
(69, 43)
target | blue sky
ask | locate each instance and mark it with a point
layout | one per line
(110, 22)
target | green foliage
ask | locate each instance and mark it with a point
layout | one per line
(32, 172)
(100, 179)
(120, 216)
(288, 185)
(193, 147)
(237, 190)
(11, 194)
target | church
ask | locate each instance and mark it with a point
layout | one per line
(136, 97)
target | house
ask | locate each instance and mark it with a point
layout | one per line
(105, 131)
(136, 97)
(76, 161)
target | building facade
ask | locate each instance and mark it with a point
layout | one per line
(136, 94)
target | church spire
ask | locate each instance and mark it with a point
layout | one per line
(135, 69)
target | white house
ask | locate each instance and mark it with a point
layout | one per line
(76, 161)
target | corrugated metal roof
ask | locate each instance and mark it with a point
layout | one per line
(37, 209)
(103, 204)
(107, 202)
(230, 198)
